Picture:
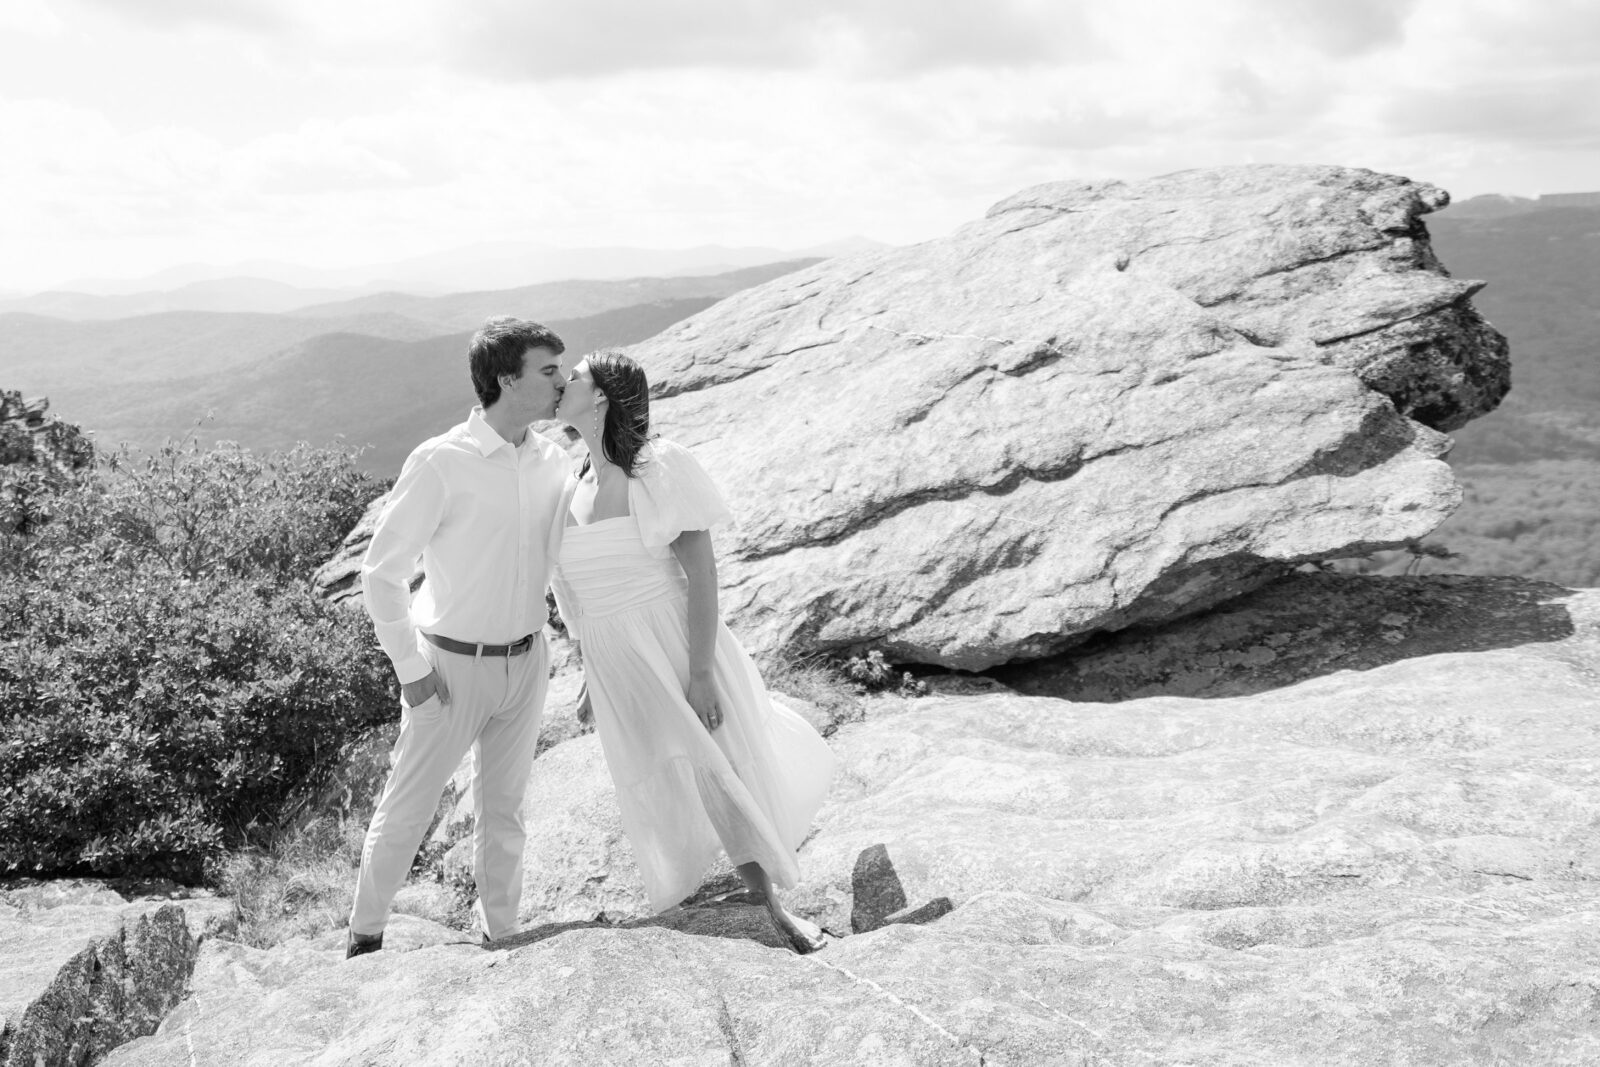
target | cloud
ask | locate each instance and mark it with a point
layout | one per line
(1486, 72)
(1549, 111)
(374, 129)
(1561, 32)
(532, 41)
(1343, 28)
(30, 17)
(320, 157)
(248, 15)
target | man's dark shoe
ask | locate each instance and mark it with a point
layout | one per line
(360, 944)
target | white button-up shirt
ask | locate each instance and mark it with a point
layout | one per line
(483, 516)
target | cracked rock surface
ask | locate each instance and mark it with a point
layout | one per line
(1102, 405)
(1389, 858)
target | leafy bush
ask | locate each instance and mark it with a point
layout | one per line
(168, 680)
(874, 674)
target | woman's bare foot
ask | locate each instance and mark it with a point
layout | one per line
(803, 936)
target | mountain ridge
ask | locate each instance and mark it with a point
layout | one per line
(491, 265)
(359, 370)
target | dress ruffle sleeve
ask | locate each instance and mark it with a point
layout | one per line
(673, 493)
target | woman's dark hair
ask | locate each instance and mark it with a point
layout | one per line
(627, 427)
(500, 347)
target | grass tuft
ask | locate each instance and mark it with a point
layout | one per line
(303, 883)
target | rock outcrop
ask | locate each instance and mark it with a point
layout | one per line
(37, 451)
(1100, 406)
(84, 970)
(29, 435)
(1392, 862)
(339, 579)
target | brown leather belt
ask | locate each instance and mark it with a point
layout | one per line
(466, 648)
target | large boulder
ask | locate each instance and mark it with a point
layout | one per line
(84, 969)
(1102, 405)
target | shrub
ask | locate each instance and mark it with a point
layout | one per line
(228, 511)
(874, 674)
(168, 680)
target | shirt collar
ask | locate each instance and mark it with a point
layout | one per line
(483, 435)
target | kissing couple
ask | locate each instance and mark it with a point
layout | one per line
(702, 760)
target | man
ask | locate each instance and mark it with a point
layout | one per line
(478, 505)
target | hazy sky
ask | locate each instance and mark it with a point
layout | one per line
(137, 134)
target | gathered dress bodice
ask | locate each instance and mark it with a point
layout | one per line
(610, 570)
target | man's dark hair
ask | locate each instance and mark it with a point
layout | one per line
(627, 427)
(499, 347)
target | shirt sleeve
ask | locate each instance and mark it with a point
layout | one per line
(673, 493)
(409, 519)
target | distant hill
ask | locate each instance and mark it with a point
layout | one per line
(505, 264)
(56, 357)
(1532, 467)
(271, 380)
(267, 381)
(555, 300)
(1543, 270)
(369, 391)
(1487, 206)
(493, 265)
(439, 314)
(224, 294)
(1499, 205)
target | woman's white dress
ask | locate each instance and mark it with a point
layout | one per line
(754, 783)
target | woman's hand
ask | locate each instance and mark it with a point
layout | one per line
(702, 697)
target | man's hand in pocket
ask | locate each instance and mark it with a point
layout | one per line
(414, 693)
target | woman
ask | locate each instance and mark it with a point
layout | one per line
(703, 761)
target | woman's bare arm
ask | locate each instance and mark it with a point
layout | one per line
(699, 562)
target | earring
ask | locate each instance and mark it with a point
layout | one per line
(598, 440)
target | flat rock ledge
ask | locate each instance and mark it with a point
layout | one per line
(84, 970)
(1394, 862)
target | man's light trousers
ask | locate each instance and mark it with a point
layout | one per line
(496, 705)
